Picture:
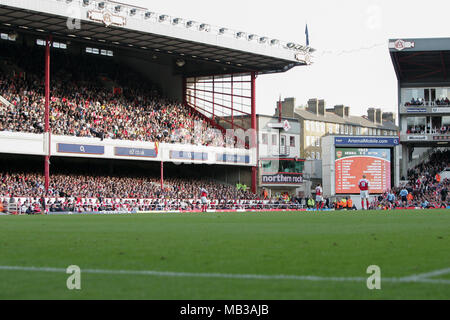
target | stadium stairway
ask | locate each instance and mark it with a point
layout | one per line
(4, 101)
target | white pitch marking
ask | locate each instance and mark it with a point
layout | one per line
(411, 279)
(428, 274)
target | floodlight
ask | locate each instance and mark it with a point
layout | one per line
(86, 2)
(291, 45)
(163, 17)
(118, 8)
(251, 37)
(203, 26)
(189, 24)
(263, 40)
(148, 14)
(133, 12)
(176, 21)
(180, 63)
(222, 30)
(101, 5)
(240, 34)
(274, 41)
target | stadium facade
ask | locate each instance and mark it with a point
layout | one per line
(212, 70)
(422, 67)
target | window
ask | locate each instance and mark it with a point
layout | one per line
(56, 45)
(317, 141)
(9, 37)
(292, 141)
(264, 139)
(288, 166)
(308, 141)
(274, 140)
(318, 155)
(307, 125)
(313, 141)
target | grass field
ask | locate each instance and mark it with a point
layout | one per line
(226, 256)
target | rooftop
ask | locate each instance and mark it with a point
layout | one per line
(113, 24)
(421, 60)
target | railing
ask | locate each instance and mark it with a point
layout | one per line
(285, 150)
(426, 104)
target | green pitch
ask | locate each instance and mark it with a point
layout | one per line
(210, 256)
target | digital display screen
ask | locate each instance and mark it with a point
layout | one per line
(352, 163)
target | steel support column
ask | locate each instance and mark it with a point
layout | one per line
(232, 103)
(47, 112)
(184, 86)
(213, 96)
(162, 175)
(254, 142)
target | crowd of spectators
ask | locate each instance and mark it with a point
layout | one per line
(444, 129)
(120, 105)
(88, 111)
(425, 187)
(88, 186)
(422, 102)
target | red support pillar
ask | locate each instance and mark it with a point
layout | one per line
(213, 96)
(47, 112)
(184, 98)
(280, 110)
(232, 103)
(254, 143)
(195, 93)
(162, 175)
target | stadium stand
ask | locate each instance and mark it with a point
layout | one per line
(82, 106)
(77, 191)
(426, 188)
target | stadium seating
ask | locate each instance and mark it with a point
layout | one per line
(427, 188)
(128, 108)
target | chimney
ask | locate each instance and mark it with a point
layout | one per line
(322, 107)
(287, 108)
(339, 110)
(313, 106)
(378, 116)
(347, 111)
(371, 115)
(388, 116)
